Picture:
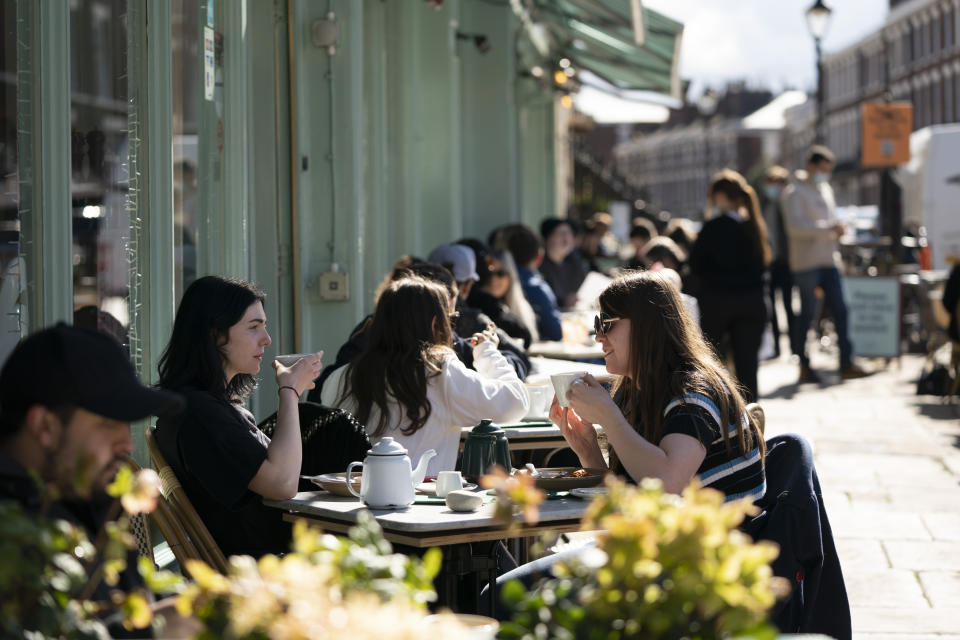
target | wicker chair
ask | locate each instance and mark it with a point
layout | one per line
(756, 412)
(173, 532)
(332, 439)
(187, 529)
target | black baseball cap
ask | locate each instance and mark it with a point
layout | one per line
(72, 366)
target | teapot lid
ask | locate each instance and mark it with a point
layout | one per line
(486, 426)
(387, 447)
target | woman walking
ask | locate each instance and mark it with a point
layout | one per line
(729, 260)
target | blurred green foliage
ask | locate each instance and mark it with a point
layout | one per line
(665, 568)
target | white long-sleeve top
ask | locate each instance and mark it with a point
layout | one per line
(458, 397)
(809, 213)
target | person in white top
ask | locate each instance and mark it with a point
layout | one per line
(408, 383)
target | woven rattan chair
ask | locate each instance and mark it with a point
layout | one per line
(756, 412)
(184, 515)
(173, 532)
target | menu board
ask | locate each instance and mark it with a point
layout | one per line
(873, 317)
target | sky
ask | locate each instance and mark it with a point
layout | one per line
(764, 42)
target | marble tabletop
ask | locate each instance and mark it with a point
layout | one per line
(419, 518)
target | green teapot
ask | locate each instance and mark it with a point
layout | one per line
(486, 446)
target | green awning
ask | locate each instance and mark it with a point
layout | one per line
(601, 36)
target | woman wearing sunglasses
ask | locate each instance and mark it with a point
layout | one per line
(674, 413)
(407, 382)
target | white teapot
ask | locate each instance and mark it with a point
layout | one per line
(387, 479)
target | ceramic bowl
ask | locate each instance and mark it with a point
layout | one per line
(462, 500)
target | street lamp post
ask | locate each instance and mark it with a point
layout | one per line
(818, 19)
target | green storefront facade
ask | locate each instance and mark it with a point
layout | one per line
(149, 142)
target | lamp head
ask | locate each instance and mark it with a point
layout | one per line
(818, 19)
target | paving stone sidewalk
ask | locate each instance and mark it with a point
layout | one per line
(889, 465)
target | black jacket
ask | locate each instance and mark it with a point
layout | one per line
(794, 517)
(500, 314)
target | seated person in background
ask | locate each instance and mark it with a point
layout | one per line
(680, 230)
(404, 268)
(461, 261)
(497, 295)
(408, 384)
(562, 267)
(641, 233)
(524, 246)
(67, 398)
(951, 296)
(663, 253)
(224, 463)
(675, 413)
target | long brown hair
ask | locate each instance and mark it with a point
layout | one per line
(669, 358)
(739, 192)
(406, 343)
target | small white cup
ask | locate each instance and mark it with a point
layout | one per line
(561, 385)
(448, 481)
(290, 359)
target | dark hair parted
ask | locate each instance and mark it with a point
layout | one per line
(193, 357)
(406, 343)
(669, 358)
(739, 192)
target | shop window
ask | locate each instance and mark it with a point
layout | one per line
(99, 155)
(186, 45)
(13, 321)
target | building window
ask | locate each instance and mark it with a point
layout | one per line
(936, 97)
(13, 277)
(100, 166)
(948, 98)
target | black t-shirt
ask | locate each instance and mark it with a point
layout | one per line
(951, 296)
(215, 449)
(724, 257)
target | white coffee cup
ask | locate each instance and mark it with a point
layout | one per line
(561, 385)
(290, 359)
(448, 481)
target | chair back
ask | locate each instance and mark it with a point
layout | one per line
(183, 513)
(332, 439)
(173, 532)
(756, 412)
(793, 515)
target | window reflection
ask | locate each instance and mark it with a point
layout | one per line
(13, 322)
(99, 165)
(185, 46)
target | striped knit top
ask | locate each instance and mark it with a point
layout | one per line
(736, 475)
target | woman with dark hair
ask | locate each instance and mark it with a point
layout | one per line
(675, 413)
(497, 293)
(408, 384)
(729, 259)
(225, 464)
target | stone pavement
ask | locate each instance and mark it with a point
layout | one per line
(889, 466)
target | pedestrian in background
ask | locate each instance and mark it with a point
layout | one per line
(781, 280)
(813, 230)
(729, 258)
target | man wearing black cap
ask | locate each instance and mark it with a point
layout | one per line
(67, 398)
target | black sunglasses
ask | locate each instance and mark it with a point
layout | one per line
(500, 273)
(453, 317)
(603, 322)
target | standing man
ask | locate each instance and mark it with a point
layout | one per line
(781, 280)
(813, 231)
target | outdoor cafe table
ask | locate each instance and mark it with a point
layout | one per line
(431, 525)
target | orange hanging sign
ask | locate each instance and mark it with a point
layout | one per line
(886, 133)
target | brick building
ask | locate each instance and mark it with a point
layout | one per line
(914, 57)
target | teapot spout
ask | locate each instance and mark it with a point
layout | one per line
(418, 474)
